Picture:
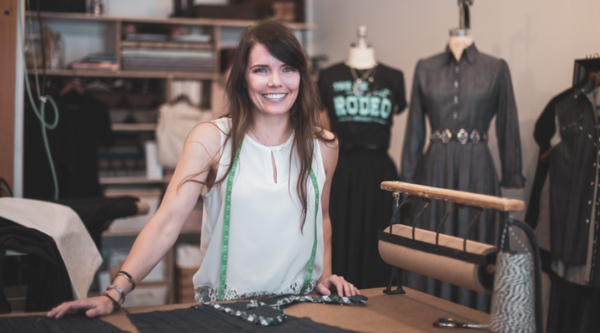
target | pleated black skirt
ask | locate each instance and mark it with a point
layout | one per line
(358, 209)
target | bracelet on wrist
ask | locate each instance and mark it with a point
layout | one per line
(116, 305)
(119, 290)
(128, 277)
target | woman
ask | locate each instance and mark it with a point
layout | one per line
(267, 169)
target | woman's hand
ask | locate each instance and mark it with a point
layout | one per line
(94, 306)
(326, 285)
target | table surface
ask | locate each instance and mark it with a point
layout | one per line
(410, 312)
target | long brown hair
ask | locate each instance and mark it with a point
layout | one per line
(283, 45)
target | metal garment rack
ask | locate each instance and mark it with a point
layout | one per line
(477, 202)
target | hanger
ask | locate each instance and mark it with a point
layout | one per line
(586, 69)
(464, 19)
(73, 85)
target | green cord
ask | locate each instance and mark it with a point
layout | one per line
(41, 114)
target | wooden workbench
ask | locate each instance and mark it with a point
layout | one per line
(411, 312)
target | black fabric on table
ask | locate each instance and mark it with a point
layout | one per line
(69, 323)
(48, 283)
(205, 319)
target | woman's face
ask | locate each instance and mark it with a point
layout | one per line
(272, 85)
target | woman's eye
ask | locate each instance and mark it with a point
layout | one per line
(259, 70)
(289, 69)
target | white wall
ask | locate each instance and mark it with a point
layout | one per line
(538, 38)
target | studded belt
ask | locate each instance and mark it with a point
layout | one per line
(462, 136)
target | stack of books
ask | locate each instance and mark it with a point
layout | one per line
(97, 61)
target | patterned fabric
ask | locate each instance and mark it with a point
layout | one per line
(283, 302)
(512, 305)
(208, 294)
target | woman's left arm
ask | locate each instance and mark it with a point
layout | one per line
(329, 282)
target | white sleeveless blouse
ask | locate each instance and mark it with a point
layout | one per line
(268, 252)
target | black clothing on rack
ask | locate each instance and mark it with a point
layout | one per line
(545, 128)
(574, 180)
(361, 118)
(84, 124)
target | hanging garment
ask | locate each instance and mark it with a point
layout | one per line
(361, 117)
(572, 214)
(175, 122)
(268, 251)
(460, 99)
(538, 209)
(83, 126)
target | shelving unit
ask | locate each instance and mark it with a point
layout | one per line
(115, 42)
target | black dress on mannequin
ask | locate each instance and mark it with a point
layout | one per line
(460, 99)
(361, 118)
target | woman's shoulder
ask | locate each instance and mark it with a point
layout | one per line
(208, 134)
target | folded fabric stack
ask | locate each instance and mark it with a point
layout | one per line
(172, 60)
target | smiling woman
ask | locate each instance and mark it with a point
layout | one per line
(265, 172)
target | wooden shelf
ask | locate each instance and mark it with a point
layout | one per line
(134, 127)
(168, 45)
(180, 21)
(132, 180)
(126, 74)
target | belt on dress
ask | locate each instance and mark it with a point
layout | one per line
(462, 136)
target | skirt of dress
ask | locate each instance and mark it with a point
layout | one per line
(358, 209)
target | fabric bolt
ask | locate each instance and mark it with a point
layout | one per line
(83, 126)
(361, 119)
(207, 319)
(45, 274)
(268, 251)
(69, 323)
(455, 95)
(78, 251)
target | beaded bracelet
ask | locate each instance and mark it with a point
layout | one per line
(116, 305)
(128, 277)
(119, 290)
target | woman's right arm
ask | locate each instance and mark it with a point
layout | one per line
(199, 157)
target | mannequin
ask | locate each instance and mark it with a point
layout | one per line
(361, 97)
(361, 55)
(460, 40)
(470, 89)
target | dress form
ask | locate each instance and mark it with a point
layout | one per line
(361, 55)
(460, 39)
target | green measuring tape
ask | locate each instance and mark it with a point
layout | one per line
(227, 220)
